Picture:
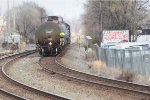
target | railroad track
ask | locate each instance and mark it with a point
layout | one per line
(37, 91)
(10, 95)
(4, 92)
(134, 89)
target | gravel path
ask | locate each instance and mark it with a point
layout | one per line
(29, 72)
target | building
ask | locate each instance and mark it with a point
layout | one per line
(145, 35)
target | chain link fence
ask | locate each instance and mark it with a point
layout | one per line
(136, 60)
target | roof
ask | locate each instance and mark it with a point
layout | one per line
(126, 45)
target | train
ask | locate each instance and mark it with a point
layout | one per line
(47, 35)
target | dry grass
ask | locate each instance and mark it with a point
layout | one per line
(90, 55)
(97, 64)
(142, 77)
(6, 53)
(127, 75)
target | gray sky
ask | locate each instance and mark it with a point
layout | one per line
(66, 8)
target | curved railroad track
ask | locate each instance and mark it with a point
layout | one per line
(4, 92)
(126, 87)
(11, 95)
(30, 88)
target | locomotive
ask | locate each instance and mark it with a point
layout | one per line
(47, 36)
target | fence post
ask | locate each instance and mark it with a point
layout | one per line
(97, 51)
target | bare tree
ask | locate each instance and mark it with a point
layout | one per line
(28, 18)
(114, 15)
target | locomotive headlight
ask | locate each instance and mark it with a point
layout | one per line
(50, 43)
(50, 39)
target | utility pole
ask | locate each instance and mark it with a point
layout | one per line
(14, 20)
(101, 25)
(8, 22)
(100, 21)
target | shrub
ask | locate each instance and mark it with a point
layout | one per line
(90, 55)
(85, 46)
(95, 41)
(97, 64)
(127, 75)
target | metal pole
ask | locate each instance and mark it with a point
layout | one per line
(8, 16)
(14, 20)
(101, 25)
(8, 22)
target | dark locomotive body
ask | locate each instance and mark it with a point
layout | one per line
(48, 36)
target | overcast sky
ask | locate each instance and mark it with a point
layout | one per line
(66, 8)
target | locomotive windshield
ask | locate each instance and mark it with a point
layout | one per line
(55, 19)
(51, 18)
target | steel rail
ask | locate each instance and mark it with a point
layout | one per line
(6, 65)
(12, 95)
(130, 84)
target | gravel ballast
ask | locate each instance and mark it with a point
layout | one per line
(3, 97)
(16, 90)
(28, 71)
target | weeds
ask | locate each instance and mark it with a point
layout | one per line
(97, 64)
(90, 55)
(127, 75)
